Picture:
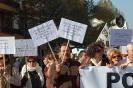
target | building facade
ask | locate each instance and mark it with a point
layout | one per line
(8, 25)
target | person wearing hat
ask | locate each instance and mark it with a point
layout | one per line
(8, 74)
(32, 76)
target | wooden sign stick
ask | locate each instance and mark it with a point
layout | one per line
(52, 52)
(66, 49)
(4, 61)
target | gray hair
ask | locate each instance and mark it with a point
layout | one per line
(129, 45)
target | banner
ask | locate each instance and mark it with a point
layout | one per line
(104, 77)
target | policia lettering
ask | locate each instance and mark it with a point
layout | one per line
(117, 78)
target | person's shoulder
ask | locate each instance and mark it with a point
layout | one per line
(105, 60)
(75, 62)
(122, 61)
(53, 65)
(14, 70)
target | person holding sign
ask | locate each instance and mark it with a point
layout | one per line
(9, 76)
(115, 57)
(64, 73)
(32, 76)
(95, 54)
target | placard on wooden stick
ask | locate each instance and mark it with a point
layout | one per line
(43, 33)
(25, 47)
(7, 45)
(72, 30)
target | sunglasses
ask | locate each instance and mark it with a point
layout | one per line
(1, 58)
(32, 61)
(98, 51)
(116, 56)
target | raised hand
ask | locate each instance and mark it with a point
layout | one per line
(58, 67)
(109, 65)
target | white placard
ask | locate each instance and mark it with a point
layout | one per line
(72, 30)
(102, 76)
(123, 49)
(7, 45)
(120, 37)
(25, 47)
(43, 33)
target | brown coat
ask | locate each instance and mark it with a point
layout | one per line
(67, 77)
(14, 79)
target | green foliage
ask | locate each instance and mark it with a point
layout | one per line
(35, 12)
(105, 11)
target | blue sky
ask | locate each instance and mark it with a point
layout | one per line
(126, 7)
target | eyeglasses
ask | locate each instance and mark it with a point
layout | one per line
(116, 56)
(32, 61)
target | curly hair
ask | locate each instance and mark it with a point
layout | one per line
(92, 49)
(101, 43)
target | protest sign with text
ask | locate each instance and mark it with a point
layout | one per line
(43, 33)
(120, 37)
(72, 30)
(104, 77)
(7, 45)
(25, 47)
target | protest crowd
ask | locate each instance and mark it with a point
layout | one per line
(62, 70)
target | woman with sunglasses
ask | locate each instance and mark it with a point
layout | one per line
(95, 54)
(32, 76)
(115, 57)
(9, 76)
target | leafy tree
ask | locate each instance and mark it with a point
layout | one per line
(35, 12)
(104, 10)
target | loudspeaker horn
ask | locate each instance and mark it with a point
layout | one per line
(119, 21)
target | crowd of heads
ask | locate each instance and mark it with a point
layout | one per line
(93, 55)
(97, 50)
